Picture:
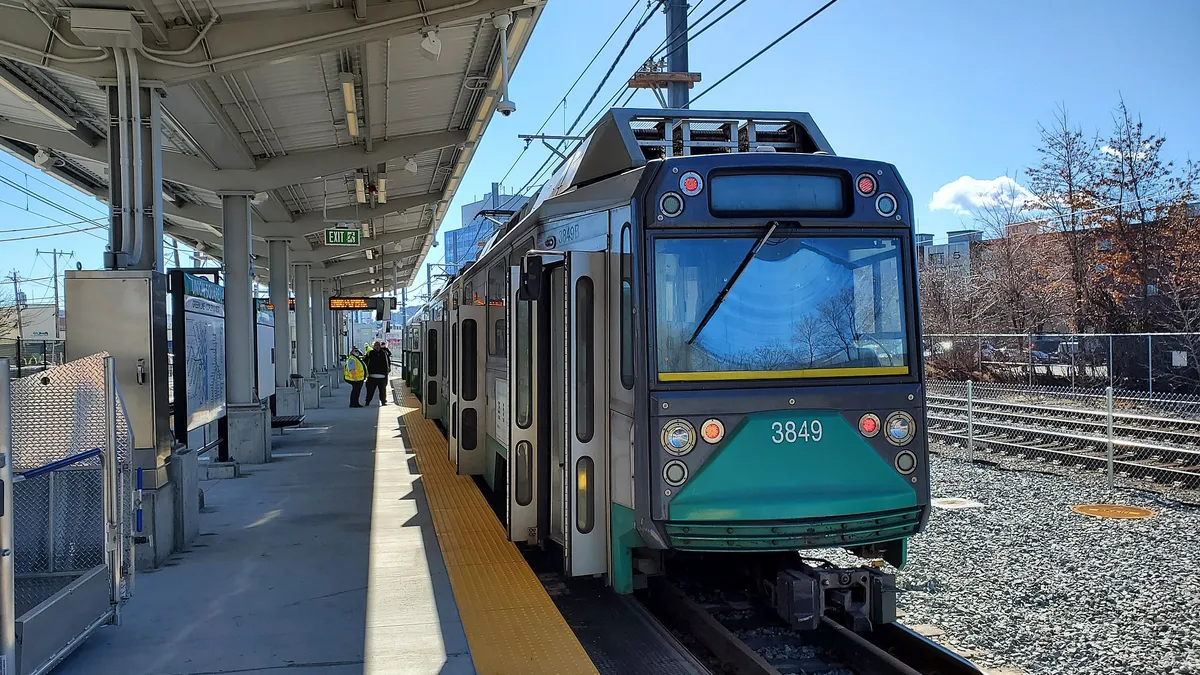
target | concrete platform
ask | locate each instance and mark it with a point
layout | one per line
(322, 561)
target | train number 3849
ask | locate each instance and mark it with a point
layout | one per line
(807, 431)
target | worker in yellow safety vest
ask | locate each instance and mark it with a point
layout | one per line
(355, 375)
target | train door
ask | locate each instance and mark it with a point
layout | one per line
(577, 405)
(432, 397)
(527, 514)
(452, 354)
(468, 447)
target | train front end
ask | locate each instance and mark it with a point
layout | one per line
(785, 384)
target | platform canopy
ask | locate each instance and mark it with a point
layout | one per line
(255, 98)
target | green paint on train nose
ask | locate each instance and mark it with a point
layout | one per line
(791, 465)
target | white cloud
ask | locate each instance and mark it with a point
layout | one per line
(966, 195)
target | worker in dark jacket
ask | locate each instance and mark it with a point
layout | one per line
(378, 367)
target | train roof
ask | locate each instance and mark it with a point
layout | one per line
(627, 138)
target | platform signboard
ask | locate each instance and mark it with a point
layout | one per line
(348, 304)
(199, 357)
(341, 236)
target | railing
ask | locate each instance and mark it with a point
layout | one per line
(32, 356)
(1134, 438)
(67, 524)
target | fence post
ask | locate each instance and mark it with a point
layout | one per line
(1150, 362)
(1109, 404)
(970, 421)
(20, 359)
(1030, 343)
(8, 597)
(1110, 361)
(112, 514)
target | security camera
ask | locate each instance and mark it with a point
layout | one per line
(506, 108)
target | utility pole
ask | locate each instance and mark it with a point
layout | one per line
(54, 254)
(672, 75)
(678, 94)
(16, 282)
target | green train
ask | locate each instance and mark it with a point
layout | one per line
(701, 337)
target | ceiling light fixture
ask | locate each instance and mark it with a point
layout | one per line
(411, 165)
(381, 192)
(360, 189)
(349, 101)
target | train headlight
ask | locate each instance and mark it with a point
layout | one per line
(691, 183)
(678, 437)
(868, 425)
(886, 205)
(675, 473)
(906, 462)
(712, 430)
(671, 204)
(899, 428)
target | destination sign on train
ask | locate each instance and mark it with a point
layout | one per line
(347, 304)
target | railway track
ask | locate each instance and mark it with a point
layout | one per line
(746, 638)
(1146, 446)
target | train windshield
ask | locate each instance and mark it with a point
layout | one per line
(801, 307)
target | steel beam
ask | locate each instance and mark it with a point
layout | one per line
(239, 42)
(271, 174)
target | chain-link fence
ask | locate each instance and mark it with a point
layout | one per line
(71, 520)
(32, 356)
(1124, 437)
(1151, 362)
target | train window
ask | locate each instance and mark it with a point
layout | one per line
(585, 345)
(524, 466)
(497, 296)
(524, 364)
(453, 365)
(470, 425)
(626, 307)
(431, 392)
(470, 356)
(585, 499)
(433, 352)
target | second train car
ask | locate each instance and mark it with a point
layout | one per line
(702, 335)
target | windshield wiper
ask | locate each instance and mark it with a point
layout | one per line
(712, 309)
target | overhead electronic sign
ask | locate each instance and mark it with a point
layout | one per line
(361, 304)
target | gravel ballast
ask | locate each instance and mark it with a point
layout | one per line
(1036, 586)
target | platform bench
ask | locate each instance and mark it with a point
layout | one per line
(280, 422)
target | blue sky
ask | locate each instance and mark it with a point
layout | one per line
(941, 88)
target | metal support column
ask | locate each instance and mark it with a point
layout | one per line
(287, 393)
(309, 391)
(277, 249)
(8, 570)
(320, 302)
(239, 305)
(246, 440)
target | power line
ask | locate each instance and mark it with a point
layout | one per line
(762, 51)
(54, 234)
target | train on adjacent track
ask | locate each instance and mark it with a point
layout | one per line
(701, 337)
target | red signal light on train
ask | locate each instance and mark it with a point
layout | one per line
(868, 425)
(866, 184)
(691, 184)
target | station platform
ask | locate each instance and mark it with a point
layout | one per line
(351, 552)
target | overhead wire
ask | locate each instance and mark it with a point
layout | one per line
(762, 51)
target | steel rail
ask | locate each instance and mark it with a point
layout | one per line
(1102, 424)
(1080, 411)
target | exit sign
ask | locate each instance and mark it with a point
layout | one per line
(342, 237)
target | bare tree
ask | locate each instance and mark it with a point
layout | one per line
(1022, 270)
(1138, 187)
(837, 315)
(1064, 187)
(808, 335)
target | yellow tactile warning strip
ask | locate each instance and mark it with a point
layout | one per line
(512, 625)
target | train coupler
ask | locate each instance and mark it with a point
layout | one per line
(858, 598)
